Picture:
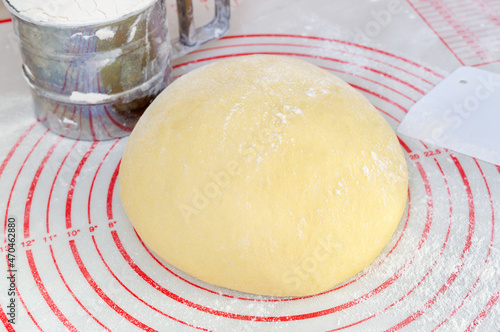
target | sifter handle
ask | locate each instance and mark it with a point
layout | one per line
(190, 37)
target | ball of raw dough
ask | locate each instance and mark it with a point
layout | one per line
(264, 174)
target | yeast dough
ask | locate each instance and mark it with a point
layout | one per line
(264, 174)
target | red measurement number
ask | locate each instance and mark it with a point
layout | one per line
(73, 233)
(27, 243)
(432, 153)
(49, 238)
(429, 153)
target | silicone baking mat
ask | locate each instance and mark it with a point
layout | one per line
(469, 29)
(80, 266)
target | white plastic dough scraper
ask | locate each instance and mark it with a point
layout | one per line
(462, 113)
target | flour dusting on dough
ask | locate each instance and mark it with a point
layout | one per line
(295, 165)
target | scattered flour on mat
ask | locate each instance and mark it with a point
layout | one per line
(77, 11)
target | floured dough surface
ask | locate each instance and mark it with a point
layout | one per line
(264, 174)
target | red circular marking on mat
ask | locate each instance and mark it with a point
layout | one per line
(111, 188)
(74, 250)
(341, 42)
(50, 246)
(73, 294)
(30, 315)
(404, 145)
(482, 315)
(95, 176)
(208, 310)
(101, 293)
(311, 47)
(69, 197)
(45, 294)
(52, 187)
(137, 297)
(376, 71)
(390, 101)
(5, 320)
(34, 182)
(80, 165)
(430, 205)
(15, 146)
(9, 156)
(428, 271)
(108, 207)
(424, 145)
(21, 300)
(487, 255)
(461, 263)
(78, 258)
(384, 99)
(373, 82)
(17, 177)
